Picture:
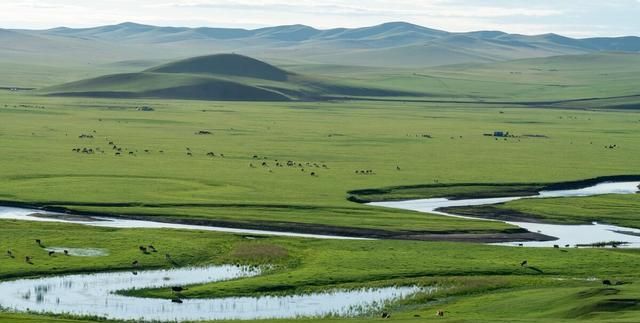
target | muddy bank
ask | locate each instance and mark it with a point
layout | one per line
(459, 191)
(493, 212)
(292, 227)
(319, 229)
(515, 235)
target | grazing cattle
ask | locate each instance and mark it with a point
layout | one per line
(143, 249)
(386, 315)
(524, 263)
(556, 246)
(520, 245)
(189, 154)
(176, 300)
(51, 253)
(397, 167)
(177, 289)
(313, 174)
(152, 248)
(135, 263)
(10, 254)
(39, 242)
(28, 259)
(440, 313)
(66, 252)
(606, 282)
(567, 245)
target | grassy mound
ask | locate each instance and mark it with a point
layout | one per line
(166, 86)
(225, 64)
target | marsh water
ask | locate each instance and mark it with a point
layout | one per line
(566, 234)
(94, 295)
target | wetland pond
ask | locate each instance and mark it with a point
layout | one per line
(95, 295)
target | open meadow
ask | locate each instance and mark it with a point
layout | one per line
(228, 141)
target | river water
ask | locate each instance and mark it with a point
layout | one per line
(571, 235)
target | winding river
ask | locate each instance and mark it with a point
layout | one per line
(567, 234)
(94, 295)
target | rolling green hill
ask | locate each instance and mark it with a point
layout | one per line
(575, 81)
(224, 64)
(226, 77)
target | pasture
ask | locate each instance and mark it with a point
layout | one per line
(468, 275)
(291, 166)
(245, 167)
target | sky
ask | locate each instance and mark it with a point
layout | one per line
(577, 18)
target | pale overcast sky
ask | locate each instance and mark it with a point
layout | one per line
(578, 18)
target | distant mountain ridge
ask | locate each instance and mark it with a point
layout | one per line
(301, 33)
(393, 44)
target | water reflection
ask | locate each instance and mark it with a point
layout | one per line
(94, 295)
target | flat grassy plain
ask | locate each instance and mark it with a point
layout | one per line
(38, 135)
(165, 170)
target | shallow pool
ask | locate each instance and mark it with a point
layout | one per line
(93, 294)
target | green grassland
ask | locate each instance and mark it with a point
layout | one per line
(468, 275)
(38, 160)
(39, 165)
(550, 79)
(203, 160)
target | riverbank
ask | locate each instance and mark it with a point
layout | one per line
(270, 228)
(568, 235)
(463, 191)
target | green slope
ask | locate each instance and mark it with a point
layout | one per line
(217, 77)
(225, 64)
(158, 85)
